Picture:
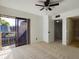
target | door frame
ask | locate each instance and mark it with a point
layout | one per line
(70, 33)
(62, 29)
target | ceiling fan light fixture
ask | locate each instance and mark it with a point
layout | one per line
(49, 9)
(41, 9)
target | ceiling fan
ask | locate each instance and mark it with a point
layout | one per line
(47, 5)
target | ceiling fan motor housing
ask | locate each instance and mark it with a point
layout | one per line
(47, 3)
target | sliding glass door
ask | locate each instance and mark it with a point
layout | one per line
(14, 31)
(21, 31)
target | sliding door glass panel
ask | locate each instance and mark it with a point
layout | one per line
(14, 31)
(7, 31)
(21, 31)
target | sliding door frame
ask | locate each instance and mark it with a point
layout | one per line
(8, 16)
(28, 30)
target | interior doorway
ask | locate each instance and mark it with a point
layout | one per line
(58, 30)
(73, 31)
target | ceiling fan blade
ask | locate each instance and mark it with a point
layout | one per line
(54, 4)
(39, 5)
(50, 9)
(41, 9)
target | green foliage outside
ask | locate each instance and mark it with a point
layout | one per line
(3, 22)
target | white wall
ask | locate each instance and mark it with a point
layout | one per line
(48, 29)
(64, 16)
(35, 25)
(45, 28)
(51, 29)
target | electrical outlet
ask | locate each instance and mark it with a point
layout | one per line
(36, 38)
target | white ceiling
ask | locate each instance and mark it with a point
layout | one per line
(29, 6)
